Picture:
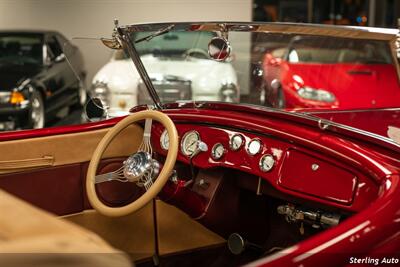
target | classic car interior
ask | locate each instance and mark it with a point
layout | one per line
(200, 184)
(271, 188)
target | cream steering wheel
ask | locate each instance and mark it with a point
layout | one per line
(159, 182)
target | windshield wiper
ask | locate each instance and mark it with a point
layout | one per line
(157, 33)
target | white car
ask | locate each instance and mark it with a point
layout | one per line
(185, 74)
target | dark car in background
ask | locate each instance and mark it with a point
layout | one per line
(41, 78)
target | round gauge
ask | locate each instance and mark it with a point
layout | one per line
(236, 142)
(266, 163)
(164, 140)
(217, 151)
(254, 147)
(190, 143)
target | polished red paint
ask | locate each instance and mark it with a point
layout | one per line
(342, 188)
(376, 226)
(354, 85)
(329, 181)
(375, 121)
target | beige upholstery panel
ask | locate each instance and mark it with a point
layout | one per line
(178, 232)
(65, 149)
(41, 236)
(134, 233)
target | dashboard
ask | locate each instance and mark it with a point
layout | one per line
(287, 167)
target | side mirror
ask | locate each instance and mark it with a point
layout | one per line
(95, 110)
(219, 48)
(60, 58)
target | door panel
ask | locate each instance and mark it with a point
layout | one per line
(60, 188)
(57, 190)
(69, 148)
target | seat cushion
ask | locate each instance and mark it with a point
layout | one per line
(49, 241)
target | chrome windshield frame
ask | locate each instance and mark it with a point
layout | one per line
(129, 46)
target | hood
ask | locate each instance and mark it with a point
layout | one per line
(354, 85)
(12, 75)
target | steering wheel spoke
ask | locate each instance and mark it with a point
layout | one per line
(109, 176)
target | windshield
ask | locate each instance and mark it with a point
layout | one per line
(21, 48)
(305, 49)
(274, 69)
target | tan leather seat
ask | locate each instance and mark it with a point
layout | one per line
(32, 237)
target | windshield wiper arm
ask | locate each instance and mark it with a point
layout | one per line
(157, 33)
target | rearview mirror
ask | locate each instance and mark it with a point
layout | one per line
(219, 48)
(95, 110)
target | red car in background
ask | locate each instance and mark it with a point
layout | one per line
(338, 73)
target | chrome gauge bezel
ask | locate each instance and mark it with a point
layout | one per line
(163, 137)
(184, 138)
(214, 156)
(231, 142)
(248, 147)
(261, 163)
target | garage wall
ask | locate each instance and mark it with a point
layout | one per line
(94, 18)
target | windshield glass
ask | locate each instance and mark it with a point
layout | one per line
(21, 48)
(303, 49)
(280, 70)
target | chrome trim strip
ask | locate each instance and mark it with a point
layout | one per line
(254, 27)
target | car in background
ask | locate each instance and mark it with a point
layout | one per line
(337, 73)
(37, 81)
(182, 71)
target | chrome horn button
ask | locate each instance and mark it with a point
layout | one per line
(137, 165)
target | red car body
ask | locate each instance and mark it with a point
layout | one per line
(374, 231)
(354, 85)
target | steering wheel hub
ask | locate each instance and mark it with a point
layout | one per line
(137, 165)
(140, 165)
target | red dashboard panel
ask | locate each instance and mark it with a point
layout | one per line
(335, 184)
(299, 170)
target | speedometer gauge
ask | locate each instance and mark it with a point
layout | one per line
(164, 140)
(190, 143)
